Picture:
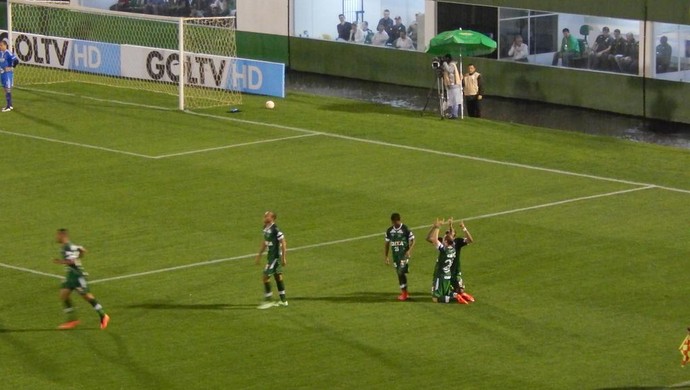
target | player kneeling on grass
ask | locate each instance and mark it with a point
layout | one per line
(456, 272)
(8, 61)
(442, 288)
(75, 280)
(274, 242)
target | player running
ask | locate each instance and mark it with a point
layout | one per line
(274, 241)
(8, 61)
(75, 280)
(456, 273)
(442, 289)
(401, 239)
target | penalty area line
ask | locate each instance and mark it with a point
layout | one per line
(367, 236)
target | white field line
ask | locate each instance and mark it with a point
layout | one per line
(380, 234)
(263, 141)
(681, 385)
(373, 142)
(31, 271)
(57, 141)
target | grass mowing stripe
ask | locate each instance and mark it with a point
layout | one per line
(31, 271)
(76, 144)
(263, 141)
(374, 142)
(345, 240)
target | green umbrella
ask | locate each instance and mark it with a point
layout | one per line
(466, 43)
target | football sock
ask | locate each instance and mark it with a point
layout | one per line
(267, 290)
(402, 279)
(8, 96)
(69, 310)
(97, 306)
(281, 289)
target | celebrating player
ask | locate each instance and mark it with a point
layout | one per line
(8, 61)
(274, 241)
(456, 273)
(75, 280)
(401, 239)
(442, 289)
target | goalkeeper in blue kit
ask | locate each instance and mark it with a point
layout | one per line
(8, 61)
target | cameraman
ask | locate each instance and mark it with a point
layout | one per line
(452, 79)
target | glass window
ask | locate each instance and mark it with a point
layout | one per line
(482, 19)
(671, 52)
(402, 22)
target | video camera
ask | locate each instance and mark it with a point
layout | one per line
(436, 62)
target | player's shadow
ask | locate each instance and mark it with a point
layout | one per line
(356, 297)
(192, 306)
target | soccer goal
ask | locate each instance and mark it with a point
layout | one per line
(57, 42)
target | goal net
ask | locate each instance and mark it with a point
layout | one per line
(57, 42)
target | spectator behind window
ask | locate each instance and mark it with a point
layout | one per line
(386, 21)
(394, 34)
(368, 34)
(600, 51)
(356, 34)
(344, 28)
(628, 62)
(380, 36)
(663, 55)
(404, 42)
(570, 48)
(617, 51)
(518, 50)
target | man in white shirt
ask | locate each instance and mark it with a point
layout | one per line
(356, 34)
(518, 50)
(404, 42)
(380, 36)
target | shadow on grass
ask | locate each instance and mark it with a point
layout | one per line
(181, 306)
(34, 330)
(363, 297)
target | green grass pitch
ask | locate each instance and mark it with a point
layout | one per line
(579, 267)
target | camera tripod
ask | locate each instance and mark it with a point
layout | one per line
(441, 94)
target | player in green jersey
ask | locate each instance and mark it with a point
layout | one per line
(401, 239)
(276, 246)
(75, 279)
(456, 272)
(442, 288)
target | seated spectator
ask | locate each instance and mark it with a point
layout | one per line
(344, 28)
(404, 42)
(600, 51)
(617, 51)
(570, 48)
(219, 7)
(380, 36)
(397, 28)
(663, 55)
(368, 34)
(628, 62)
(356, 34)
(518, 50)
(412, 33)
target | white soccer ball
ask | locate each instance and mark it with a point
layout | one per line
(270, 105)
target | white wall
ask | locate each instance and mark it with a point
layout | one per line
(263, 16)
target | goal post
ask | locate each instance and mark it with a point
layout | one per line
(190, 58)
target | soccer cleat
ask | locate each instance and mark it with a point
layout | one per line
(282, 303)
(467, 297)
(267, 305)
(69, 325)
(104, 321)
(8, 109)
(461, 300)
(404, 296)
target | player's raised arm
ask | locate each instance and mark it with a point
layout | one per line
(451, 228)
(468, 236)
(411, 240)
(432, 237)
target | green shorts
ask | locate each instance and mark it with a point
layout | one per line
(274, 267)
(402, 265)
(74, 281)
(442, 287)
